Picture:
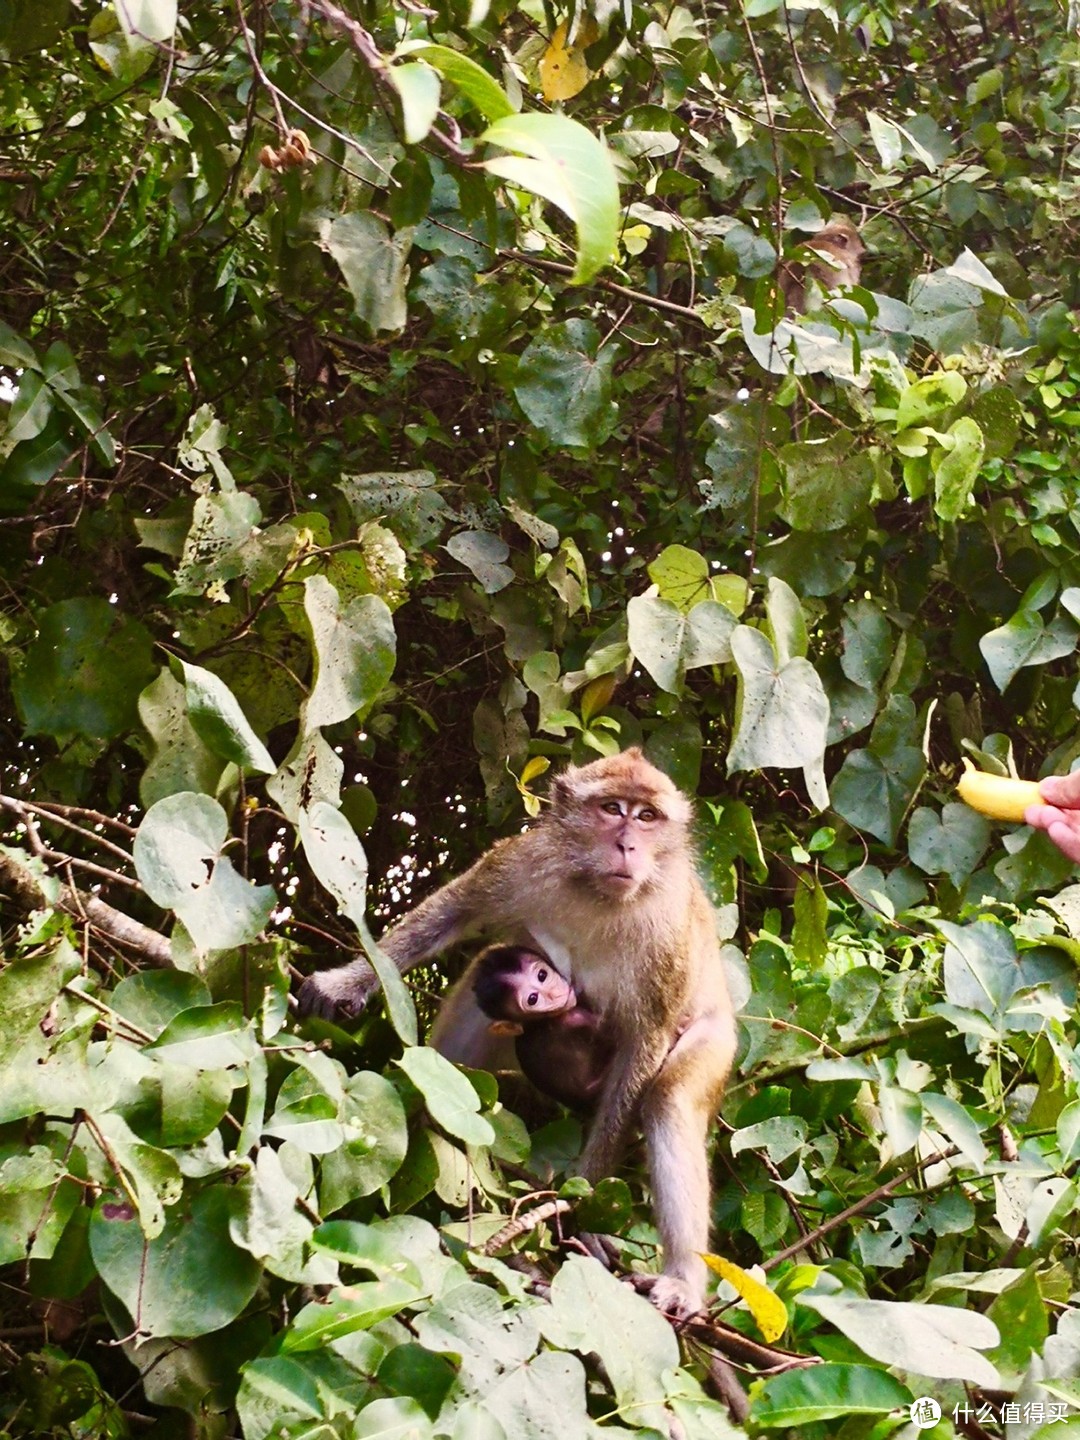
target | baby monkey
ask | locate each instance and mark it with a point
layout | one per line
(559, 1040)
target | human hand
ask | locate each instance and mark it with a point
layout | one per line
(1059, 816)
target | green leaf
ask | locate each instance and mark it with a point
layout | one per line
(369, 1247)
(166, 1282)
(485, 555)
(998, 414)
(399, 1417)
(824, 1392)
(901, 1117)
(786, 621)
(1020, 1315)
(356, 649)
(826, 485)
(957, 470)
(450, 1098)
(869, 643)
(563, 383)
(217, 718)
(782, 713)
(27, 26)
(179, 759)
(419, 91)
(886, 137)
(376, 1139)
(372, 261)
(980, 968)
(950, 844)
(571, 168)
(668, 642)
(83, 671)
(130, 35)
(152, 998)
(1026, 639)
(970, 269)
(338, 861)
(957, 1125)
(872, 791)
(180, 862)
(809, 937)
(274, 1227)
(682, 576)
(207, 1037)
(471, 79)
(530, 1395)
(357, 1307)
(593, 1311)
(935, 1340)
(412, 1371)
(220, 541)
(409, 499)
(312, 771)
(926, 398)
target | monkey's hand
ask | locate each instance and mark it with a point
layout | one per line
(338, 994)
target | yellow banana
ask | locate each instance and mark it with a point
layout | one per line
(996, 795)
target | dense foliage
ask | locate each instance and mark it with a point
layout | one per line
(394, 400)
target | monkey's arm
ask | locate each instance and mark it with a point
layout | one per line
(451, 915)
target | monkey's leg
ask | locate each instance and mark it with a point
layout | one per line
(676, 1113)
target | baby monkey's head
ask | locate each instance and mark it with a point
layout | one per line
(514, 984)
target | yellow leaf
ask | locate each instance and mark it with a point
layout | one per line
(563, 71)
(534, 767)
(768, 1310)
(596, 696)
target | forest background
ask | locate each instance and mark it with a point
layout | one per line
(394, 400)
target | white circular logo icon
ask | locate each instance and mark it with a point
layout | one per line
(925, 1413)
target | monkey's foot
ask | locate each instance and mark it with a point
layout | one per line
(677, 1298)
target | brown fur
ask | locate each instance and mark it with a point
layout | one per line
(841, 249)
(605, 886)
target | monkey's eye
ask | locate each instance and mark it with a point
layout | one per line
(532, 999)
(648, 814)
(541, 975)
(612, 807)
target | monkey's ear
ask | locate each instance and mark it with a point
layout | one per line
(561, 790)
(505, 1027)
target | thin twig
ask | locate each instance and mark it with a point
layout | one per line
(874, 1196)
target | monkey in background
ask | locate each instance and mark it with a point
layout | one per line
(604, 883)
(840, 250)
(559, 1041)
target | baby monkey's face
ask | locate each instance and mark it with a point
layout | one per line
(540, 989)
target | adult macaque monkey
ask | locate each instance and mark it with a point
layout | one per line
(604, 884)
(840, 249)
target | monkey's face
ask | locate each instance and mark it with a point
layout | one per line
(624, 839)
(840, 250)
(538, 989)
(618, 819)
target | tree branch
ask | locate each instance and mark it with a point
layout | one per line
(19, 880)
